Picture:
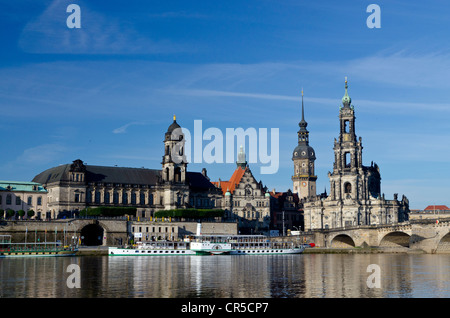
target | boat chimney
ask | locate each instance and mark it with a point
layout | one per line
(199, 229)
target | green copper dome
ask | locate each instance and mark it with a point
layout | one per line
(346, 100)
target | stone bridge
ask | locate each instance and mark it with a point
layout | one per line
(430, 236)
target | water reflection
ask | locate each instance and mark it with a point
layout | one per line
(287, 276)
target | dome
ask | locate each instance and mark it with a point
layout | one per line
(173, 126)
(304, 152)
(346, 100)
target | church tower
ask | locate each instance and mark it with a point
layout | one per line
(304, 178)
(174, 160)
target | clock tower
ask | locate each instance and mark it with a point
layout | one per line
(304, 178)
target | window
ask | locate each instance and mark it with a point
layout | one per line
(346, 126)
(115, 197)
(88, 196)
(8, 199)
(124, 198)
(150, 199)
(347, 160)
(133, 198)
(18, 201)
(77, 197)
(97, 196)
(142, 198)
(107, 197)
(29, 200)
(39, 201)
(348, 188)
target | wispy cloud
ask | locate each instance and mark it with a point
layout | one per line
(368, 104)
(123, 129)
(42, 154)
(49, 34)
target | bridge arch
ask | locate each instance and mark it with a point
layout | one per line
(443, 245)
(395, 239)
(342, 241)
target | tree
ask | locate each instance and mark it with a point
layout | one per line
(30, 213)
(10, 213)
(21, 213)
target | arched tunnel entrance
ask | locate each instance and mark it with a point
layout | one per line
(92, 235)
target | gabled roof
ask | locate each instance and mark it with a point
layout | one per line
(233, 182)
(436, 207)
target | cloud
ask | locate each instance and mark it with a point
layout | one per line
(123, 129)
(99, 34)
(368, 104)
(42, 154)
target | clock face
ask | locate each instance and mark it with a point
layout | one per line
(303, 184)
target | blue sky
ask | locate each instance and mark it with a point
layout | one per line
(106, 93)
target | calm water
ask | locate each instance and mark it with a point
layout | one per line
(288, 276)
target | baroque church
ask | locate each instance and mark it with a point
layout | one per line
(355, 190)
(76, 186)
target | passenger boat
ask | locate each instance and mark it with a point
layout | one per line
(253, 245)
(210, 245)
(157, 248)
(9, 249)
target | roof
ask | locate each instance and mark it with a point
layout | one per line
(198, 180)
(121, 175)
(436, 207)
(283, 195)
(20, 186)
(233, 182)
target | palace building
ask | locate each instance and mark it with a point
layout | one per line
(355, 190)
(73, 187)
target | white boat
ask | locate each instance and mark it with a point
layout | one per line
(158, 248)
(252, 245)
(210, 244)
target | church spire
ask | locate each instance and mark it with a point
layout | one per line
(303, 122)
(346, 100)
(303, 133)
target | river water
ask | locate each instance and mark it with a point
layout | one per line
(266, 276)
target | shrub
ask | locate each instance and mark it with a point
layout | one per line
(109, 211)
(190, 213)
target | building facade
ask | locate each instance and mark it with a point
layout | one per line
(245, 199)
(355, 190)
(16, 196)
(76, 186)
